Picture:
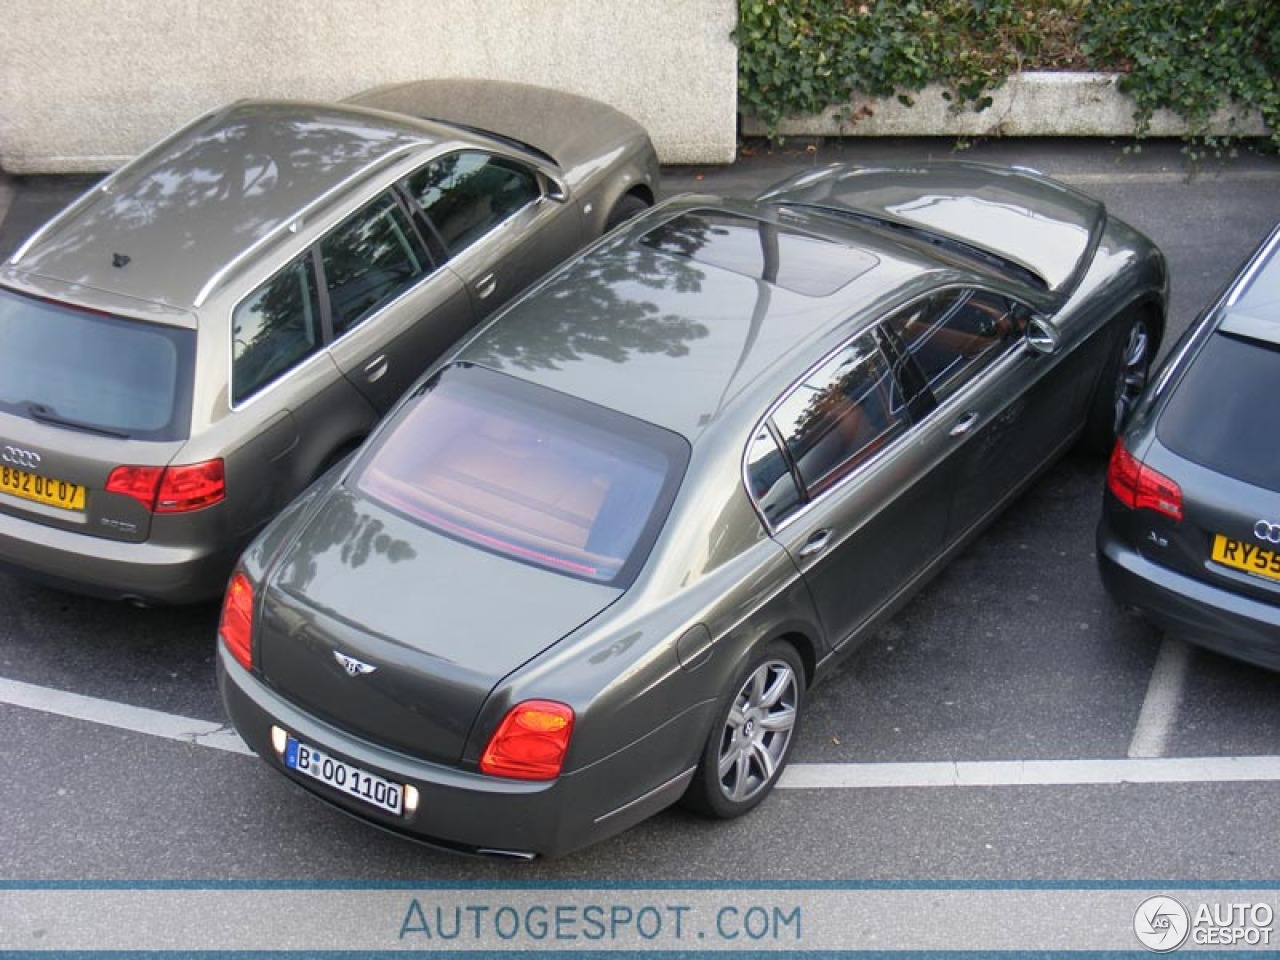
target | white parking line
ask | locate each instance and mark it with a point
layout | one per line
(1160, 707)
(122, 716)
(798, 776)
(1029, 773)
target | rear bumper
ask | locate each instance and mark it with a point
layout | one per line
(468, 812)
(1190, 609)
(113, 569)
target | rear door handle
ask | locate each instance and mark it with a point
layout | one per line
(965, 424)
(486, 285)
(376, 368)
(816, 543)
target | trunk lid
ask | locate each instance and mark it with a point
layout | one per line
(441, 622)
(81, 393)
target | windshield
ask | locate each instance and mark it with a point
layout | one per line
(92, 371)
(528, 473)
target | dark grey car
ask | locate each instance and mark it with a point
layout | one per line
(201, 335)
(1190, 529)
(593, 562)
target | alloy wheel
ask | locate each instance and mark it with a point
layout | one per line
(758, 730)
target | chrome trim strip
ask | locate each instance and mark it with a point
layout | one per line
(679, 780)
(1261, 257)
(291, 224)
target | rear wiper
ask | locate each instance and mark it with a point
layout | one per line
(46, 414)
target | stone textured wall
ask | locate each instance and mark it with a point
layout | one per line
(86, 84)
(1026, 105)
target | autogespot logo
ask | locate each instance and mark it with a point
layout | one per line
(1162, 924)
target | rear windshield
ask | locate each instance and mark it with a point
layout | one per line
(93, 371)
(1224, 411)
(528, 473)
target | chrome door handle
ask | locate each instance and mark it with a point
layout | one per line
(486, 286)
(376, 368)
(965, 424)
(816, 543)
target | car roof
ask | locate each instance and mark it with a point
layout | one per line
(1253, 304)
(166, 223)
(683, 340)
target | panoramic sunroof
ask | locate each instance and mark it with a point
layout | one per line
(779, 255)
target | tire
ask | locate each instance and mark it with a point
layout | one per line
(1123, 379)
(628, 206)
(751, 738)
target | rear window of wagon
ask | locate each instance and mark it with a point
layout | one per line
(528, 473)
(1225, 408)
(94, 371)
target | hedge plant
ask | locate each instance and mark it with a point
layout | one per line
(1188, 56)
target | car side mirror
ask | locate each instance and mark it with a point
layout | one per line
(553, 188)
(1042, 336)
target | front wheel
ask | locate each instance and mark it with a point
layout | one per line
(751, 738)
(626, 207)
(1121, 384)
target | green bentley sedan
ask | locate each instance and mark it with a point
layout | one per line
(592, 563)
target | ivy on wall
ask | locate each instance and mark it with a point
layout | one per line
(1188, 56)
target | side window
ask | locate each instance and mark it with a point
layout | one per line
(368, 260)
(773, 486)
(955, 334)
(274, 329)
(841, 415)
(466, 194)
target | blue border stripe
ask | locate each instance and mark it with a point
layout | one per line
(633, 955)
(626, 885)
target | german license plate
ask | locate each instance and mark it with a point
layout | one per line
(30, 486)
(1245, 556)
(348, 778)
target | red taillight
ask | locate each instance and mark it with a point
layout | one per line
(141, 483)
(531, 741)
(171, 489)
(236, 626)
(1139, 487)
(191, 487)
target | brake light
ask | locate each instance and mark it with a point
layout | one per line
(141, 483)
(191, 487)
(171, 489)
(1139, 487)
(531, 742)
(236, 626)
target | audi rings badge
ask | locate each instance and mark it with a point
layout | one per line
(1267, 532)
(20, 458)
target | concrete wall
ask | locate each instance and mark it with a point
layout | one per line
(1026, 105)
(86, 84)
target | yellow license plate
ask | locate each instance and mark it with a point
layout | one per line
(30, 486)
(1245, 556)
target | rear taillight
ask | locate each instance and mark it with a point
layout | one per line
(1139, 487)
(531, 742)
(236, 626)
(171, 489)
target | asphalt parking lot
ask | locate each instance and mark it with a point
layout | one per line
(1000, 728)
